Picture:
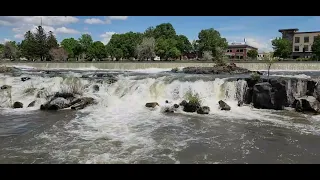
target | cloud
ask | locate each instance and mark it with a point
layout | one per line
(118, 17)
(66, 30)
(263, 44)
(106, 37)
(232, 28)
(36, 20)
(4, 40)
(93, 21)
(19, 36)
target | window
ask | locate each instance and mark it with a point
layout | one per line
(306, 39)
(306, 48)
(297, 40)
(296, 48)
(229, 50)
(239, 50)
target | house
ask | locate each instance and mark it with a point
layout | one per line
(238, 50)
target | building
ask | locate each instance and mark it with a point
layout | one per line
(301, 42)
(238, 50)
(264, 55)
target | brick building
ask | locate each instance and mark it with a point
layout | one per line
(238, 51)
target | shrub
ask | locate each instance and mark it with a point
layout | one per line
(72, 85)
(207, 55)
(255, 76)
(175, 69)
(192, 97)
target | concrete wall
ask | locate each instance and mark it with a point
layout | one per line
(298, 66)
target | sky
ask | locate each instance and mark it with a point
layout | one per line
(257, 30)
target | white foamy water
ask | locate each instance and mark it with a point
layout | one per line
(121, 118)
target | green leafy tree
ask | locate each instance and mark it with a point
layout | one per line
(164, 30)
(71, 45)
(41, 49)
(10, 50)
(252, 53)
(85, 41)
(52, 41)
(164, 48)
(211, 40)
(149, 32)
(97, 50)
(174, 53)
(183, 45)
(1, 50)
(27, 46)
(117, 53)
(282, 47)
(316, 47)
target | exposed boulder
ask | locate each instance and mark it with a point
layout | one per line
(6, 87)
(307, 104)
(203, 110)
(271, 95)
(176, 106)
(95, 88)
(224, 106)
(25, 78)
(81, 103)
(55, 104)
(32, 104)
(191, 107)
(17, 105)
(152, 104)
(226, 69)
(183, 103)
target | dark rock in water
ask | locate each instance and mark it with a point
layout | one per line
(6, 87)
(307, 104)
(64, 95)
(81, 103)
(85, 76)
(240, 103)
(183, 103)
(54, 107)
(17, 105)
(271, 95)
(25, 78)
(95, 88)
(224, 106)
(169, 110)
(203, 110)
(167, 101)
(227, 69)
(56, 103)
(152, 104)
(190, 107)
(100, 75)
(176, 106)
(32, 104)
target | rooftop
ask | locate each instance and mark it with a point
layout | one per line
(241, 46)
(293, 29)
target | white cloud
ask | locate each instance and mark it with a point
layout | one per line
(36, 20)
(232, 28)
(118, 17)
(66, 30)
(4, 40)
(19, 36)
(94, 21)
(106, 37)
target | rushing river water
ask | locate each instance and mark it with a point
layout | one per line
(120, 129)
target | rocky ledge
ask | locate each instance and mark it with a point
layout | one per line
(217, 69)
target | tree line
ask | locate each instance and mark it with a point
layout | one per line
(161, 41)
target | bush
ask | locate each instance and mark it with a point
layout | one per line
(72, 85)
(192, 98)
(303, 59)
(207, 56)
(5, 69)
(255, 76)
(175, 70)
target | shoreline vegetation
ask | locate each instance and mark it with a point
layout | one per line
(159, 43)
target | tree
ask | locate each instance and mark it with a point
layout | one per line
(71, 45)
(85, 41)
(52, 41)
(210, 40)
(149, 32)
(282, 47)
(1, 50)
(207, 56)
(164, 48)
(164, 30)
(41, 50)
(252, 53)
(183, 44)
(27, 46)
(146, 50)
(316, 47)
(117, 53)
(174, 53)
(58, 54)
(97, 50)
(10, 50)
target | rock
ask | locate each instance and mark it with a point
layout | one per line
(203, 110)
(17, 105)
(307, 104)
(190, 107)
(81, 103)
(176, 106)
(271, 95)
(169, 109)
(56, 103)
(224, 106)
(152, 104)
(64, 95)
(183, 103)
(95, 88)
(25, 78)
(226, 69)
(167, 101)
(32, 104)
(6, 87)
